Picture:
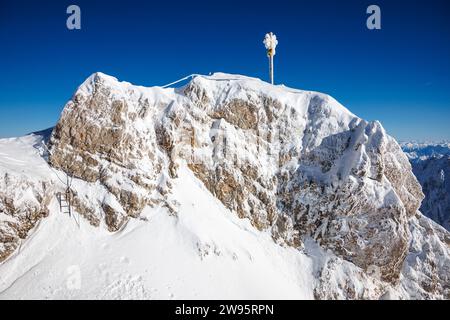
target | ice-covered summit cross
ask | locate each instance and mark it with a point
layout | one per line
(271, 42)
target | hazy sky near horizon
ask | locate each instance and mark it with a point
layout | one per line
(398, 75)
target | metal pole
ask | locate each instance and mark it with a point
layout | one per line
(270, 42)
(271, 68)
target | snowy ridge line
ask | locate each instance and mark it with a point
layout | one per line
(182, 79)
(201, 76)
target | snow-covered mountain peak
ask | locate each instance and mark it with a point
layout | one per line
(89, 84)
(296, 164)
(271, 154)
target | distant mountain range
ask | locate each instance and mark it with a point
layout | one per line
(431, 166)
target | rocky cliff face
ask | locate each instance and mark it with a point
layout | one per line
(295, 163)
(103, 137)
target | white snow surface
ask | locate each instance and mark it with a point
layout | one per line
(21, 156)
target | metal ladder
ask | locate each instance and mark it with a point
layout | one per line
(65, 199)
(64, 202)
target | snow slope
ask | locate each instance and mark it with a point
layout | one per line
(21, 156)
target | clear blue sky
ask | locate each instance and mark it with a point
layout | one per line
(398, 75)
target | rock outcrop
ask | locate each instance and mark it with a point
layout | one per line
(102, 137)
